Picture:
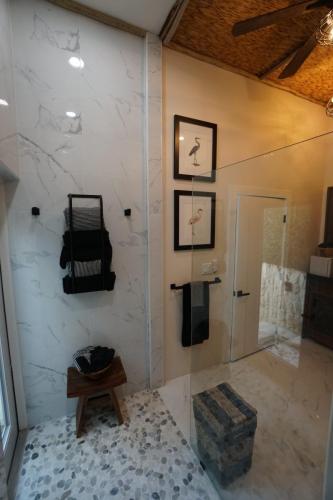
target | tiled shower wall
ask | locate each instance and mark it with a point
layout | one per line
(282, 298)
(8, 138)
(100, 151)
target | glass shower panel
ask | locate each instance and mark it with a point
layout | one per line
(254, 231)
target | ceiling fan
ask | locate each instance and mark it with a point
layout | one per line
(323, 35)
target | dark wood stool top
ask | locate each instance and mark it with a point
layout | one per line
(82, 387)
(78, 385)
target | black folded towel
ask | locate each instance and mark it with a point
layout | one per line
(89, 283)
(93, 359)
(87, 239)
(87, 246)
(195, 313)
(88, 268)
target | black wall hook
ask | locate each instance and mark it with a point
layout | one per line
(35, 211)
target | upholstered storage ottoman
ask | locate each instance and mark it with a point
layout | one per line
(225, 426)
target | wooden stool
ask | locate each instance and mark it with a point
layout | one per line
(79, 386)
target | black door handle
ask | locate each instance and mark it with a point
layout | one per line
(240, 293)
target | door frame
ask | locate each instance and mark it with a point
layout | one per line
(9, 302)
(234, 191)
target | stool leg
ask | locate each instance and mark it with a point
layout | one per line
(81, 406)
(115, 402)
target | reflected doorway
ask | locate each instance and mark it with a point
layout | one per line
(258, 275)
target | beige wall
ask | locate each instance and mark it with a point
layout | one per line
(252, 118)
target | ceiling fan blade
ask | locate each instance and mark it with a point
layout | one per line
(301, 55)
(255, 23)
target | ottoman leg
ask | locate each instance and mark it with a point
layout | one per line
(115, 402)
(81, 406)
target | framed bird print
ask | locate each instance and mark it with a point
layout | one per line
(194, 220)
(195, 144)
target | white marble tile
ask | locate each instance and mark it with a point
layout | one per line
(100, 151)
(285, 287)
(8, 129)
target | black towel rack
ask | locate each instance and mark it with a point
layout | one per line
(180, 287)
(102, 250)
(71, 230)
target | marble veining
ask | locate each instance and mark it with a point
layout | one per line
(286, 287)
(64, 124)
(145, 458)
(65, 40)
(8, 127)
(98, 151)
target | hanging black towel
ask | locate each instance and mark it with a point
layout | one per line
(87, 250)
(87, 246)
(195, 313)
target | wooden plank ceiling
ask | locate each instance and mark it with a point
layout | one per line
(205, 32)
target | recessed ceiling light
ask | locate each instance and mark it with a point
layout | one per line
(181, 138)
(71, 114)
(76, 62)
(3, 102)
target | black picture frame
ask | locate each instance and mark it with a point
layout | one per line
(178, 119)
(178, 193)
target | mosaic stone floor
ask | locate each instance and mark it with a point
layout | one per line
(145, 458)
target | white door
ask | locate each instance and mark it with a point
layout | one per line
(8, 418)
(260, 231)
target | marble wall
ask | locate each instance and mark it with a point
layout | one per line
(282, 298)
(98, 151)
(8, 138)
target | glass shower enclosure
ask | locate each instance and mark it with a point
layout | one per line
(257, 425)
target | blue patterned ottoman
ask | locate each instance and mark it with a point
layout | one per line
(225, 426)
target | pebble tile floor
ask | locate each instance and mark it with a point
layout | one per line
(145, 458)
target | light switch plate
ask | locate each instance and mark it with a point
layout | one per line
(206, 268)
(214, 266)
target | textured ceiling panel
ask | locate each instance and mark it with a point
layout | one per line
(205, 30)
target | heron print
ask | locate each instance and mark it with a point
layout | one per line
(195, 219)
(194, 151)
